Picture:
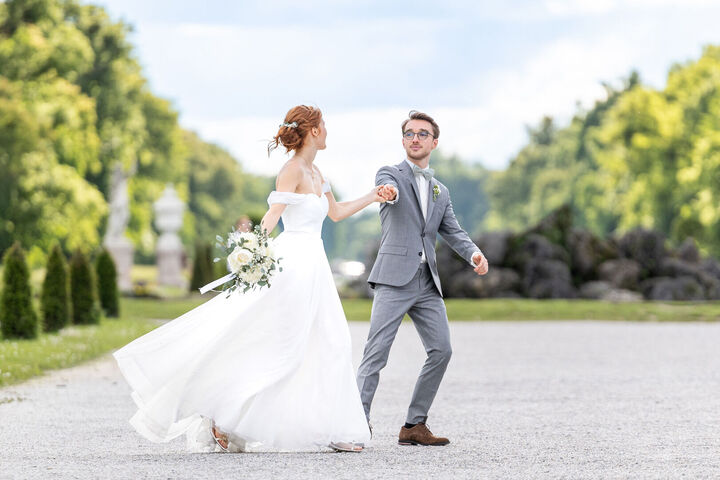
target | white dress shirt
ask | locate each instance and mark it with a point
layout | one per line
(423, 186)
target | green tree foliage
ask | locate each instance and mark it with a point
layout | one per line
(466, 183)
(107, 287)
(73, 104)
(220, 191)
(640, 158)
(85, 310)
(55, 298)
(17, 316)
(202, 270)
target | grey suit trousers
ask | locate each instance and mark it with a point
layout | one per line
(421, 300)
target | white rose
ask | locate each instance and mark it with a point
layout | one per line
(238, 258)
(251, 242)
(252, 276)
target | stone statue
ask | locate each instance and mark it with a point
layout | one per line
(120, 248)
(169, 211)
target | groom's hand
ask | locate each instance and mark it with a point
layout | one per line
(388, 192)
(481, 263)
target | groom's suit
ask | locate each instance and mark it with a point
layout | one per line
(404, 283)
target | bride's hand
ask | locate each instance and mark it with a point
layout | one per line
(377, 194)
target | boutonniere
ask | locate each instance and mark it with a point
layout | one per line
(436, 192)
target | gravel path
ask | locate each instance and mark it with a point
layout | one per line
(520, 400)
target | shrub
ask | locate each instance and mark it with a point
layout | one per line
(55, 298)
(17, 317)
(82, 291)
(107, 287)
(202, 272)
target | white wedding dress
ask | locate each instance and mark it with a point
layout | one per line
(271, 367)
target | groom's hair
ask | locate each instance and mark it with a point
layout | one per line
(415, 115)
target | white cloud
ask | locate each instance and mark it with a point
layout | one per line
(490, 127)
(358, 144)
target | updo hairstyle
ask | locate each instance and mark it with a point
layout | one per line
(298, 123)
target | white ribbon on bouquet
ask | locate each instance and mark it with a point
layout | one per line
(217, 282)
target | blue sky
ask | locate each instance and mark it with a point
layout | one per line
(483, 69)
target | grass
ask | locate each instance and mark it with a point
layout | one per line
(23, 359)
(522, 309)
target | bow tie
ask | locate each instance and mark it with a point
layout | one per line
(425, 172)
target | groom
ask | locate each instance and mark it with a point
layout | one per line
(405, 275)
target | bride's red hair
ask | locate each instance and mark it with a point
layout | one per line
(292, 137)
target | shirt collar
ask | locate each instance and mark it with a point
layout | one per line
(411, 164)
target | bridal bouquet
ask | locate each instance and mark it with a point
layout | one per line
(250, 260)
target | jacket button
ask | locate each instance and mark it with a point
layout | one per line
(422, 234)
(420, 254)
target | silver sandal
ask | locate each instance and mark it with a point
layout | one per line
(218, 439)
(346, 447)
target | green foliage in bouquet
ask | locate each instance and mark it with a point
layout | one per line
(55, 298)
(250, 258)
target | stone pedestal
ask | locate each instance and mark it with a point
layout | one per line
(169, 211)
(121, 250)
(115, 241)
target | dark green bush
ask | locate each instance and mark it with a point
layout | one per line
(55, 298)
(85, 310)
(107, 287)
(202, 272)
(17, 316)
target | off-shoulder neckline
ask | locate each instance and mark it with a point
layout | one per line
(309, 193)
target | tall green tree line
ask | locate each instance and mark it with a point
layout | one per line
(640, 157)
(74, 104)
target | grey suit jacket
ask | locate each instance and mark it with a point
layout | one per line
(405, 232)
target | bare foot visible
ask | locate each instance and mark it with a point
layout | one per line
(220, 438)
(346, 447)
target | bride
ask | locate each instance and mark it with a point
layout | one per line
(271, 369)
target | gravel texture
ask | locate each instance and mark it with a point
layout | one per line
(519, 400)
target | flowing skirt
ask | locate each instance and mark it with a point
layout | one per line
(272, 367)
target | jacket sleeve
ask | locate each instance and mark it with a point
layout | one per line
(456, 237)
(386, 176)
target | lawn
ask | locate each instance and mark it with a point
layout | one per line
(523, 309)
(23, 359)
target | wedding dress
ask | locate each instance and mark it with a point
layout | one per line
(272, 367)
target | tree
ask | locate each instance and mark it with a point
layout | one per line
(55, 298)
(82, 290)
(107, 284)
(17, 316)
(202, 270)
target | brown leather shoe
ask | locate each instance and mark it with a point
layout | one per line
(420, 435)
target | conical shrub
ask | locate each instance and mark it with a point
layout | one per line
(202, 271)
(209, 264)
(55, 298)
(17, 316)
(82, 291)
(107, 284)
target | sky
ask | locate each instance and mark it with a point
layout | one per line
(485, 70)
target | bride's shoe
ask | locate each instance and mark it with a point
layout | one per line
(346, 447)
(219, 437)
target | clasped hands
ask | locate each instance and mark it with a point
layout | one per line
(387, 193)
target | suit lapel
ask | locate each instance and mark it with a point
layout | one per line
(404, 167)
(431, 200)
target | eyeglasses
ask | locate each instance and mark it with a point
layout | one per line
(422, 135)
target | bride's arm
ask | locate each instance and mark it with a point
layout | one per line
(340, 210)
(287, 181)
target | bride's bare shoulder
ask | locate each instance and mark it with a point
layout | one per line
(290, 173)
